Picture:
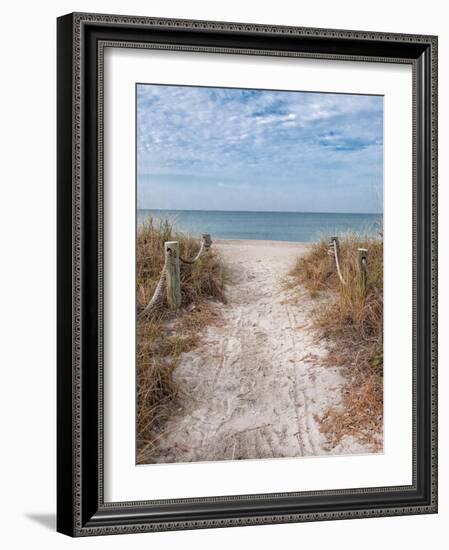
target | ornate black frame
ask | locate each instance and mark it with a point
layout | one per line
(81, 509)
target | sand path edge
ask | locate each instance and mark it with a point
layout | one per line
(256, 386)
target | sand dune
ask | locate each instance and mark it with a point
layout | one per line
(256, 387)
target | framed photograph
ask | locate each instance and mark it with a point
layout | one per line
(247, 279)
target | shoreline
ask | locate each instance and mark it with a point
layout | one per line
(260, 242)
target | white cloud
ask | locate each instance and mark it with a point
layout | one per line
(246, 135)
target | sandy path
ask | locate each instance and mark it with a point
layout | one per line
(255, 387)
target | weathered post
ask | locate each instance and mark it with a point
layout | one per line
(173, 275)
(207, 241)
(363, 268)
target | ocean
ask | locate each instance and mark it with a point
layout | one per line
(269, 226)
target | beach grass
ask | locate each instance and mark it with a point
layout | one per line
(351, 319)
(163, 335)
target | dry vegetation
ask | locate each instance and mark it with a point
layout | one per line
(353, 324)
(163, 336)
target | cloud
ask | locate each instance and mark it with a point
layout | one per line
(274, 139)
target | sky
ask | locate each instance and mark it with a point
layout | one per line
(201, 148)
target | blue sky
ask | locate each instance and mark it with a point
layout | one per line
(233, 149)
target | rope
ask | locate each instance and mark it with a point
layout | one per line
(158, 296)
(337, 262)
(158, 293)
(197, 257)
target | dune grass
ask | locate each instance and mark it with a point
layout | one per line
(352, 322)
(163, 336)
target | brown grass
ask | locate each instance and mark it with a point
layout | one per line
(164, 336)
(352, 322)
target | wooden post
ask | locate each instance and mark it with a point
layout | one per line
(363, 268)
(207, 241)
(173, 275)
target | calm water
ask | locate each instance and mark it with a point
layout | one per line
(270, 226)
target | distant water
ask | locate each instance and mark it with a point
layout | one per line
(269, 226)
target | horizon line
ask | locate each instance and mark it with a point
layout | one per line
(254, 211)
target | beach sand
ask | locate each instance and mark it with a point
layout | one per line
(257, 385)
